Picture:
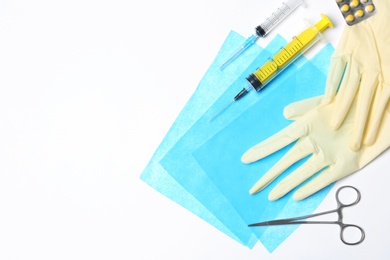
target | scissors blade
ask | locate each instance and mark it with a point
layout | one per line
(296, 220)
(272, 223)
(290, 221)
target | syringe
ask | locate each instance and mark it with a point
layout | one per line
(286, 56)
(264, 28)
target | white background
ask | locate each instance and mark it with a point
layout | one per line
(88, 90)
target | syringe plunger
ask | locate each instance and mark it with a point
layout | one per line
(281, 12)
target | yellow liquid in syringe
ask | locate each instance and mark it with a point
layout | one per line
(288, 54)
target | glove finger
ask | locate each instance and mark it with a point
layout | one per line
(308, 169)
(299, 151)
(297, 109)
(346, 94)
(336, 70)
(366, 93)
(274, 143)
(388, 106)
(325, 178)
(377, 114)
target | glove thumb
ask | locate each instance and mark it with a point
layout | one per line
(298, 109)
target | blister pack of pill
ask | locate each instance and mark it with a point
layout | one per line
(355, 11)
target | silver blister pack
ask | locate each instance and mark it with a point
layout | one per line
(355, 11)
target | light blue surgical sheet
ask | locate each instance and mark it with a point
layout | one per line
(198, 163)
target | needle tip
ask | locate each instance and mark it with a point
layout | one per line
(220, 112)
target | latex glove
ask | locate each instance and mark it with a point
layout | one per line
(362, 61)
(328, 149)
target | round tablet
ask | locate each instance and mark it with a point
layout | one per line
(344, 8)
(370, 8)
(350, 18)
(359, 13)
(354, 3)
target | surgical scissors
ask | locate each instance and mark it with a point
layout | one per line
(338, 210)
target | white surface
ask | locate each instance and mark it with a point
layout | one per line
(88, 91)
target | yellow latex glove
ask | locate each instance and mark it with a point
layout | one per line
(328, 149)
(362, 61)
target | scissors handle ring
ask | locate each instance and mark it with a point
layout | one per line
(339, 201)
(346, 226)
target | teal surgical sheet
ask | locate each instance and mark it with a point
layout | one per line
(219, 157)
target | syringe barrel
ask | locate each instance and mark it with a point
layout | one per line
(288, 54)
(277, 16)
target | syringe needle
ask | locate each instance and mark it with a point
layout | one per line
(264, 28)
(248, 42)
(220, 112)
(242, 93)
(235, 55)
